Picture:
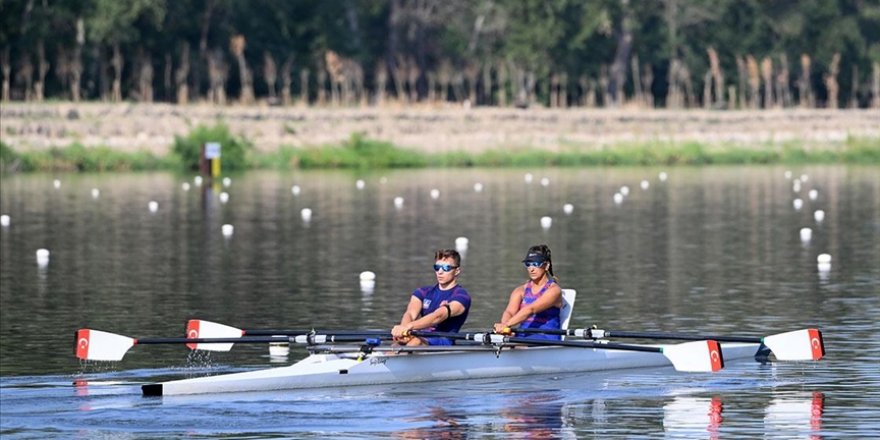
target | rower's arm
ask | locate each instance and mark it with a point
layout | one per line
(437, 316)
(550, 298)
(413, 309)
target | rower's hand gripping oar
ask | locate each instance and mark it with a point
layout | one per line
(696, 356)
(799, 345)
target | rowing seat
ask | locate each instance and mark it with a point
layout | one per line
(568, 296)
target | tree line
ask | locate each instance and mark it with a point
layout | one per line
(554, 53)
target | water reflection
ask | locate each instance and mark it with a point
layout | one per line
(693, 417)
(795, 416)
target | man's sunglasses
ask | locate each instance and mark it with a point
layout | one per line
(533, 263)
(444, 267)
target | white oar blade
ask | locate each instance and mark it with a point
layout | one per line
(697, 356)
(799, 345)
(95, 345)
(197, 328)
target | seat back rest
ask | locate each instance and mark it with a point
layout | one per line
(568, 296)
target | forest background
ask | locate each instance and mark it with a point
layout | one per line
(390, 61)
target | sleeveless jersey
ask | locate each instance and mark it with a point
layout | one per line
(547, 319)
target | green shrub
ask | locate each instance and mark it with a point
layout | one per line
(234, 150)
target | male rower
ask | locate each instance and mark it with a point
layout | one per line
(442, 307)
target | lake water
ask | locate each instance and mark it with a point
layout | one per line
(712, 250)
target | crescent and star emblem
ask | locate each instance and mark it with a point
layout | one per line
(193, 334)
(815, 343)
(714, 355)
(83, 343)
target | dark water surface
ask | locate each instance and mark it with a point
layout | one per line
(712, 249)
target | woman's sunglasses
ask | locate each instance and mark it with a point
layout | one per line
(444, 267)
(533, 263)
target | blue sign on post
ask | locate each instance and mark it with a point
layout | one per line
(212, 150)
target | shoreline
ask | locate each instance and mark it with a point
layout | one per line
(134, 127)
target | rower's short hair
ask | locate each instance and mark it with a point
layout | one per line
(443, 254)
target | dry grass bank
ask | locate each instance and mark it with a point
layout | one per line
(132, 127)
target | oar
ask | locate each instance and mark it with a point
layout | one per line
(99, 345)
(199, 328)
(698, 356)
(799, 345)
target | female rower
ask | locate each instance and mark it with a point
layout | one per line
(537, 303)
(442, 307)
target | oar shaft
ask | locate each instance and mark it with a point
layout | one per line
(302, 339)
(489, 338)
(592, 333)
(295, 332)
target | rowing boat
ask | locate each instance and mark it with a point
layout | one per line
(400, 365)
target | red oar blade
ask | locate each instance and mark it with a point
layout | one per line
(197, 328)
(95, 345)
(799, 345)
(696, 356)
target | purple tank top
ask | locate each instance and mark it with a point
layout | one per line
(547, 319)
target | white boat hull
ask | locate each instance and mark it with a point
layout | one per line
(337, 370)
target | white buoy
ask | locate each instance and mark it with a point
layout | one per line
(798, 204)
(819, 215)
(806, 234)
(185, 186)
(823, 263)
(568, 208)
(796, 185)
(645, 184)
(56, 183)
(367, 281)
(814, 194)
(662, 176)
(359, 184)
(96, 193)
(545, 181)
(478, 187)
(461, 244)
(546, 222)
(618, 198)
(787, 175)
(197, 180)
(42, 257)
(153, 206)
(4, 220)
(624, 190)
(227, 230)
(306, 214)
(398, 202)
(224, 197)
(435, 193)
(226, 182)
(804, 178)
(295, 190)
(528, 177)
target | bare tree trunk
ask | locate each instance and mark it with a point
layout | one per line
(831, 81)
(322, 87)
(203, 52)
(432, 87)
(270, 74)
(690, 97)
(603, 86)
(717, 77)
(42, 70)
(707, 89)
(804, 90)
(237, 45)
(783, 94)
(742, 75)
(854, 91)
(638, 97)
(6, 67)
(472, 72)
(618, 67)
(444, 76)
(117, 63)
(754, 82)
(563, 91)
(487, 84)
(458, 87)
(167, 83)
(502, 85)
(731, 95)
(412, 79)
(648, 78)
(76, 65)
(217, 72)
(304, 87)
(381, 83)
(673, 92)
(181, 75)
(398, 72)
(145, 78)
(875, 86)
(287, 81)
(767, 76)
